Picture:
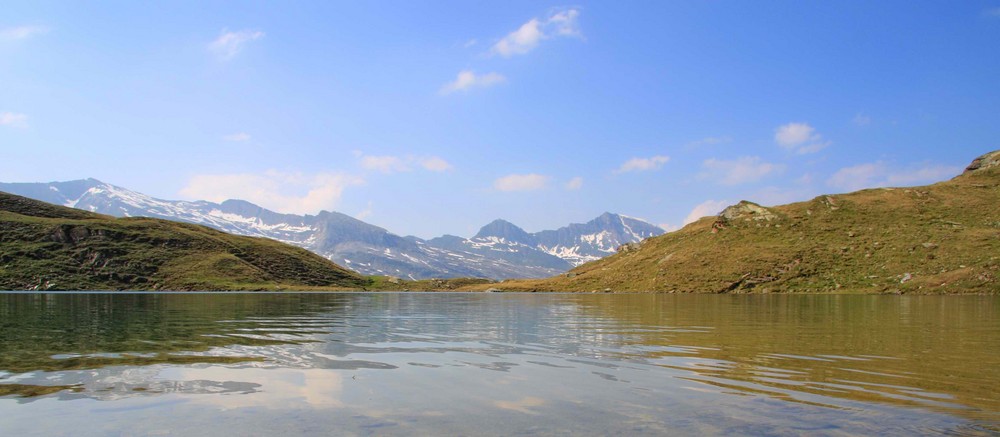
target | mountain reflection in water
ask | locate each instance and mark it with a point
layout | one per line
(391, 363)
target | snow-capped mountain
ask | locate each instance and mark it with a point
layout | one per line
(500, 250)
(600, 237)
(560, 249)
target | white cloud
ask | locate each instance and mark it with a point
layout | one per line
(398, 164)
(467, 79)
(367, 212)
(706, 208)
(799, 137)
(523, 40)
(520, 41)
(793, 134)
(13, 119)
(470, 43)
(229, 44)
(563, 23)
(293, 193)
(435, 164)
(385, 164)
(241, 136)
(993, 12)
(708, 141)
(880, 174)
(770, 196)
(857, 177)
(21, 32)
(669, 227)
(922, 175)
(643, 164)
(739, 171)
(813, 147)
(861, 119)
(575, 183)
(521, 182)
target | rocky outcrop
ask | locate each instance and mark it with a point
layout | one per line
(627, 247)
(986, 161)
(745, 212)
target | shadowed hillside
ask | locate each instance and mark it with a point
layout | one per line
(48, 247)
(941, 238)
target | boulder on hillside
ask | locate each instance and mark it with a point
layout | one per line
(986, 161)
(746, 211)
(627, 247)
(743, 213)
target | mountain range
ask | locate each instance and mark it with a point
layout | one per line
(500, 250)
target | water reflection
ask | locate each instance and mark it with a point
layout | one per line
(493, 364)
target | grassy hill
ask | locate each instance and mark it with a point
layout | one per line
(942, 238)
(48, 247)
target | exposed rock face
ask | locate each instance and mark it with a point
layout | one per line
(988, 160)
(628, 247)
(69, 234)
(746, 211)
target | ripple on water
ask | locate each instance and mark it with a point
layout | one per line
(465, 363)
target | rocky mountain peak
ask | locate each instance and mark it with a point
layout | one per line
(503, 229)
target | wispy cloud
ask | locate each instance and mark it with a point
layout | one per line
(643, 164)
(237, 137)
(862, 119)
(229, 44)
(992, 12)
(468, 79)
(562, 23)
(575, 183)
(434, 164)
(708, 141)
(22, 32)
(294, 193)
(385, 164)
(738, 171)
(365, 213)
(880, 174)
(13, 119)
(470, 43)
(706, 208)
(521, 182)
(398, 164)
(800, 138)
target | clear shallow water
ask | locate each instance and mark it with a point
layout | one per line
(388, 364)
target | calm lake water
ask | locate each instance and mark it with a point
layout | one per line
(398, 363)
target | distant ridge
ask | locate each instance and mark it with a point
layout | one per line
(941, 238)
(500, 250)
(50, 247)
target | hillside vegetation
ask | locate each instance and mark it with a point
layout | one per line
(941, 238)
(49, 247)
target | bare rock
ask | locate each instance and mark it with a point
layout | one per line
(627, 247)
(986, 161)
(744, 212)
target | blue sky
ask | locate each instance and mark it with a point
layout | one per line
(437, 117)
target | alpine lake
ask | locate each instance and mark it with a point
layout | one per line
(81, 364)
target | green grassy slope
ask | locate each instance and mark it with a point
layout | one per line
(49, 247)
(942, 238)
